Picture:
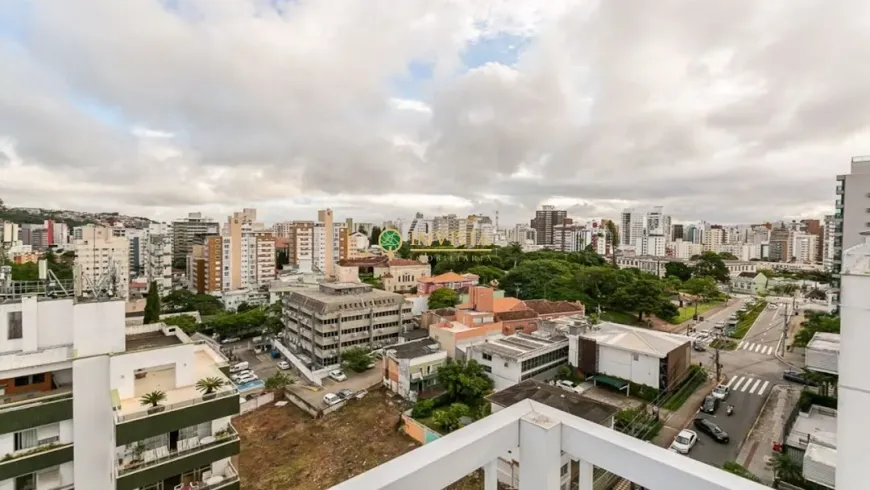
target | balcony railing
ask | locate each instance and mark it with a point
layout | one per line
(145, 412)
(152, 458)
(13, 402)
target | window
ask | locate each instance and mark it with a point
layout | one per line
(487, 357)
(564, 470)
(26, 482)
(14, 327)
(25, 439)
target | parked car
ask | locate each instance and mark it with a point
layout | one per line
(566, 385)
(797, 377)
(345, 393)
(698, 346)
(337, 375)
(241, 374)
(721, 392)
(331, 399)
(283, 365)
(772, 306)
(230, 340)
(708, 427)
(684, 441)
(710, 404)
(239, 367)
(247, 378)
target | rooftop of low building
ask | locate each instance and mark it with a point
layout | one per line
(560, 399)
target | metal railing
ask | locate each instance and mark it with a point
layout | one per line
(24, 400)
(230, 436)
(174, 406)
(230, 476)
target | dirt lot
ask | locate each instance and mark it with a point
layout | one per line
(285, 448)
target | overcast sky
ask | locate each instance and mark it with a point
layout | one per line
(726, 111)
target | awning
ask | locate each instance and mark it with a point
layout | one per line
(607, 380)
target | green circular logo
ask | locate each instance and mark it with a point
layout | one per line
(390, 240)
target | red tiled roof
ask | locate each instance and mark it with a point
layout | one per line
(515, 315)
(544, 307)
(446, 277)
(401, 262)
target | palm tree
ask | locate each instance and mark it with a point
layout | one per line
(786, 469)
(209, 385)
(154, 398)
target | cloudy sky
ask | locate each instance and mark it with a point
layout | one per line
(729, 111)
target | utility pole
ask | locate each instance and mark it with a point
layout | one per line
(718, 364)
(785, 317)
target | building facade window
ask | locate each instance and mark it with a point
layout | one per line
(15, 325)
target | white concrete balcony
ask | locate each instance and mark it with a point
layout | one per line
(542, 433)
(50, 357)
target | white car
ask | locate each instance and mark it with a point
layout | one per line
(247, 378)
(242, 374)
(337, 375)
(331, 399)
(684, 441)
(230, 340)
(566, 385)
(721, 392)
(283, 365)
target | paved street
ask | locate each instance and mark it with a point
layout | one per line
(710, 321)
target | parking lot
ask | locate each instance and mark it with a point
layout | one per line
(355, 382)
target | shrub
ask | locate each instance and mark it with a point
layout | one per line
(423, 409)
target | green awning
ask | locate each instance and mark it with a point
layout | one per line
(607, 380)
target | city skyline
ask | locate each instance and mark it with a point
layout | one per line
(504, 106)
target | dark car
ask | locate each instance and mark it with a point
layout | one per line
(712, 430)
(710, 404)
(698, 346)
(345, 394)
(797, 377)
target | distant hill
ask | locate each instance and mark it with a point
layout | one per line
(71, 218)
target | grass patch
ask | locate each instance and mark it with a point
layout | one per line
(687, 312)
(723, 344)
(696, 377)
(745, 320)
(619, 317)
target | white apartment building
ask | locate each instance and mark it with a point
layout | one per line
(324, 255)
(10, 232)
(158, 265)
(742, 251)
(828, 246)
(713, 238)
(102, 262)
(137, 239)
(248, 253)
(686, 250)
(632, 225)
(804, 247)
(511, 359)
(758, 236)
(72, 376)
(653, 245)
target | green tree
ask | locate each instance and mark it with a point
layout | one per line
(465, 382)
(679, 270)
(376, 233)
(703, 288)
(152, 304)
(356, 359)
(816, 322)
(186, 323)
(540, 279)
(727, 256)
(614, 240)
(244, 306)
(443, 298)
(672, 286)
(279, 381)
(449, 419)
(709, 264)
(786, 469)
(643, 296)
(739, 470)
(487, 273)
(209, 385)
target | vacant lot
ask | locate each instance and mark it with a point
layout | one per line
(285, 448)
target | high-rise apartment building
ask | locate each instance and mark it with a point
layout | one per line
(545, 219)
(804, 247)
(184, 231)
(828, 242)
(850, 212)
(205, 264)
(713, 237)
(71, 414)
(9, 232)
(780, 245)
(158, 265)
(248, 258)
(138, 241)
(102, 262)
(632, 227)
(324, 243)
(301, 242)
(677, 231)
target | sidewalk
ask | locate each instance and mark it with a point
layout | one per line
(677, 421)
(758, 446)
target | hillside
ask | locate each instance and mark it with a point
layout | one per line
(71, 218)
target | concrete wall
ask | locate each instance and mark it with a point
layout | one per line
(93, 423)
(256, 403)
(620, 363)
(417, 431)
(98, 327)
(180, 356)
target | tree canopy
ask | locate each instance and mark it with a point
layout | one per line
(183, 300)
(680, 270)
(464, 382)
(711, 265)
(356, 359)
(816, 322)
(443, 298)
(487, 273)
(152, 304)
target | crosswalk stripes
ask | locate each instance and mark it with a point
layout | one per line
(766, 350)
(747, 384)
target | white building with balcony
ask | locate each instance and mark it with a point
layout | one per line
(72, 378)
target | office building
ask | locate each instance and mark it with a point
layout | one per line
(326, 321)
(184, 231)
(544, 222)
(71, 414)
(101, 263)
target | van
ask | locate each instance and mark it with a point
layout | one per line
(239, 367)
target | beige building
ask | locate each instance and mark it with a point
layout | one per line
(102, 262)
(248, 257)
(204, 265)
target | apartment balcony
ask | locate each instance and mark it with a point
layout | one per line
(156, 465)
(542, 433)
(34, 460)
(43, 357)
(839, 191)
(28, 410)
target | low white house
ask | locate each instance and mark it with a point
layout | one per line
(823, 353)
(640, 355)
(514, 358)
